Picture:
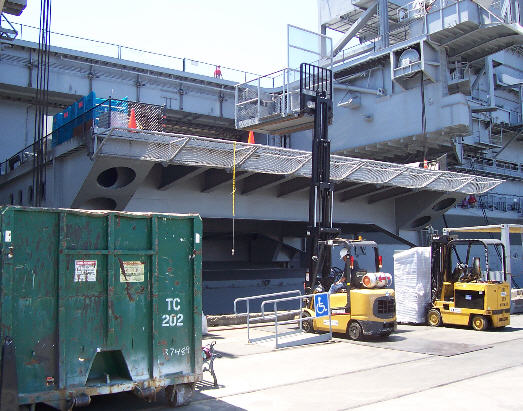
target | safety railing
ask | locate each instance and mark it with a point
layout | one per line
(250, 299)
(492, 166)
(267, 98)
(276, 316)
(109, 113)
(300, 318)
(493, 202)
(31, 33)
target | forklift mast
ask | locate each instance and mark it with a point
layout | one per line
(440, 265)
(316, 100)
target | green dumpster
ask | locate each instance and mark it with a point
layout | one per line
(98, 302)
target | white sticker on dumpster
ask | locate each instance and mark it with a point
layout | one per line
(84, 270)
(133, 271)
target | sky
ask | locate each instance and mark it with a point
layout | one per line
(244, 34)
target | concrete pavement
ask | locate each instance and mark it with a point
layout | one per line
(419, 367)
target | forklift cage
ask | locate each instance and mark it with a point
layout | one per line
(485, 243)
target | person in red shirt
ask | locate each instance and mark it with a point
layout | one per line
(218, 72)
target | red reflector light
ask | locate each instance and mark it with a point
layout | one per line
(351, 262)
(380, 261)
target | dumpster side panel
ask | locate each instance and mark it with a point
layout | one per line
(177, 328)
(29, 295)
(130, 298)
(82, 321)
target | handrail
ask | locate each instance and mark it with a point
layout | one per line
(300, 319)
(185, 63)
(255, 297)
(275, 315)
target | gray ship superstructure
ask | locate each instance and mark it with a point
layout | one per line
(438, 83)
(187, 144)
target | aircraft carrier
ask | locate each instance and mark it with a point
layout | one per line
(426, 133)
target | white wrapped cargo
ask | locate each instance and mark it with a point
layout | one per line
(412, 284)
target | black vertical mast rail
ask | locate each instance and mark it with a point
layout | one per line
(316, 100)
(41, 105)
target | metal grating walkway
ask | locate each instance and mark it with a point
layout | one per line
(205, 152)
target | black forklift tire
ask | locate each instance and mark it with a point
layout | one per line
(307, 325)
(434, 318)
(354, 331)
(479, 322)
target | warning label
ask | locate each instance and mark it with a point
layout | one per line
(132, 271)
(84, 270)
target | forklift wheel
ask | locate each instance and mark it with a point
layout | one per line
(354, 332)
(479, 322)
(306, 325)
(434, 318)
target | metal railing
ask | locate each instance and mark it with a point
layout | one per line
(267, 97)
(104, 48)
(493, 202)
(307, 340)
(248, 300)
(275, 316)
(493, 166)
(108, 114)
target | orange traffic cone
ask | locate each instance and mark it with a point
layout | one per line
(251, 137)
(132, 119)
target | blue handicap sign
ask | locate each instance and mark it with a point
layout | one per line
(321, 304)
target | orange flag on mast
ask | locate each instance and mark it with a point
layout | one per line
(251, 137)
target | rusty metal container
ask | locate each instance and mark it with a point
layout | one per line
(96, 302)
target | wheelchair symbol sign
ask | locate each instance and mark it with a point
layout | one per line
(321, 305)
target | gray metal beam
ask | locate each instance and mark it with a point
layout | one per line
(478, 77)
(293, 186)
(383, 14)
(389, 194)
(258, 181)
(480, 50)
(361, 192)
(346, 186)
(173, 174)
(358, 24)
(215, 178)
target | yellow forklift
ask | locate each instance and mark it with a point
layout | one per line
(467, 287)
(363, 308)
(365, 304)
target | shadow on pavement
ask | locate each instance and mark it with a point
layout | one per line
(128, 401)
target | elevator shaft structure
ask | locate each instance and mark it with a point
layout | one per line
(316, 100)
